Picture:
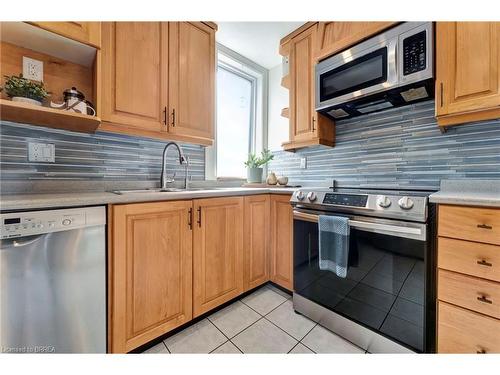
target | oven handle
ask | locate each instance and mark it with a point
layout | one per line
(413, 232)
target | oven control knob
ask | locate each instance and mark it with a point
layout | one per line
(66, 222)
(299, 195)
(405, 203)
(383, 201)
(311, 196)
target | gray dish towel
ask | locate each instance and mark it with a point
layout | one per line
(334, 244)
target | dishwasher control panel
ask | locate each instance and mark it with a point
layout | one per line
(20, 224)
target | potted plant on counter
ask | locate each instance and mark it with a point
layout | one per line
(21, 89)
(254, 165)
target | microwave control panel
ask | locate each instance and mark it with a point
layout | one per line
(414, 53)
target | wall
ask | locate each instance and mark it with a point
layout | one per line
(399, 148)
(98, 157)
(278, 99)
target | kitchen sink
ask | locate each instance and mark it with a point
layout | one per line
(158, 190)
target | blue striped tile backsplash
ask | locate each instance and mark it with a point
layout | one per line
(398, 148)
(81, 156)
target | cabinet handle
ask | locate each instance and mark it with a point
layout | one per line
(484, 226)
(483, 262)
(313, 122)
(173, 117)
(484, 299)
(190, 218)
(481, 351)
(199, 217)
(441, 93)
(165, 115)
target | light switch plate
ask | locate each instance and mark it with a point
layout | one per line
(44, 152)
(303, 163)
(32, 69)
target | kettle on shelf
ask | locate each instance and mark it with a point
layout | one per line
(74, 100)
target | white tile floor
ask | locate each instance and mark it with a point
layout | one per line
(262, 322)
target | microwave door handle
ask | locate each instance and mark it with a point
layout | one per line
(392, 62)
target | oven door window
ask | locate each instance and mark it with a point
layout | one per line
(365, 71)
(385, 285)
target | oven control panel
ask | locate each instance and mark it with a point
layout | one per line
(352, 200)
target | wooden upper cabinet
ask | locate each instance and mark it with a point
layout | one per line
(282, 241)
(191, 79)
(307, 127)
(217, 252)
(150, 287)
(334, 37)
(84, 32)
(467, 71)
(134, 74)
(302, 85)
(256, 244)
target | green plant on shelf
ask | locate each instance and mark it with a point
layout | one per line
(18, 86)
(254, 161)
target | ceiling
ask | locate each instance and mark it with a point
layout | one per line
(258, 41)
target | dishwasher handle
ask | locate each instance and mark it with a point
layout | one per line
(9, 243)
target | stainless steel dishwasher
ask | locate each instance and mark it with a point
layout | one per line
(53, 281)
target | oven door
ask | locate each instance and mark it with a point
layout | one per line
(385, 286)
(354, 73)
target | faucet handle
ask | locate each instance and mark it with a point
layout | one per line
(169, 179)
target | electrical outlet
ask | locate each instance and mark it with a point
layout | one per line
(303, 163)
(32, 69)
(44, 152)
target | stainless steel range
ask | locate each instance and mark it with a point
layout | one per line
(386, 303)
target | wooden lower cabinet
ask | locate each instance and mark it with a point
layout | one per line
(468, 280)
(150, 281)
(282, 241)
(464, 331)
(256, 235)
(217, 252)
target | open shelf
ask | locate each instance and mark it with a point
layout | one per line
(45, 116)
(285, 81)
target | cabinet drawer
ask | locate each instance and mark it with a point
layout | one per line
(470, 223)
(471, 258)
(472, 293)
(463, 331)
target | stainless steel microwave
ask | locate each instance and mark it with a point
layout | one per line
(389, 70)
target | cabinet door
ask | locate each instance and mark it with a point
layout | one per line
(256, 234)
(85, 32)
(468, 67)
(217, 252)
(336, 36)
(302, 112)
(191, 79)
(282, 241)
(150, 271)
(134, 74)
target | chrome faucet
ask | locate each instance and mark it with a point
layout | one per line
(182, 160)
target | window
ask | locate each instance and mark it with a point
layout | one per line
(241, 115)
(235, 102)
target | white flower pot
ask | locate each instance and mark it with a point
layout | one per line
(26, 100)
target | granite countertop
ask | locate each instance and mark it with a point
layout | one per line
(12, 202)
(468, 193)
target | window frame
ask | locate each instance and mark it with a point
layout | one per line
(258, 76)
